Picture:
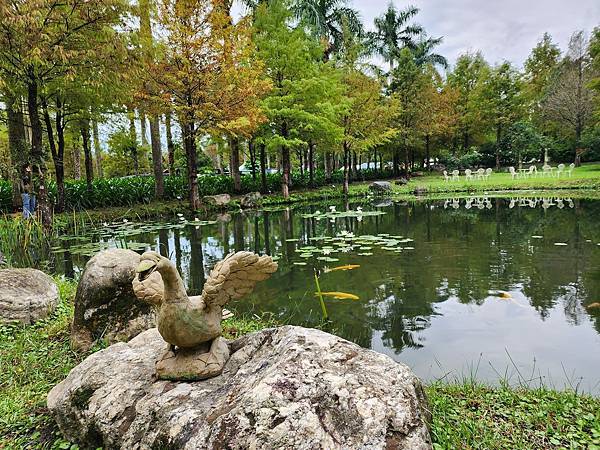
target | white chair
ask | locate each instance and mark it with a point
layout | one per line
(455, 175)
(532, 171)
(480, 174)
(468, 175)
(570, 169)
(513, 172)
(446, 177)
(559, 170)
(546, 170)
(488, 172)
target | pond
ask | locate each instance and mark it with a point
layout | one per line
(485, 288)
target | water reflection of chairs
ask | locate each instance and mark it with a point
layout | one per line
(547, 202)
(521, 202)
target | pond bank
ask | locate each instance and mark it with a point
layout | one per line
(583, 184)
(465, 414)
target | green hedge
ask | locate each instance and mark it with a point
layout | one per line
(140, 189)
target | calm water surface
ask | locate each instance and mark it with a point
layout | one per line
(429, 280)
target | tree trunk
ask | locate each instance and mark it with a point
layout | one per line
(311, 162)
(498, 136)
(37, 156)
(252, 151)
(286, 163)
(346, 168)
(328, 161)
(76, 154)
(17, 144)
(427, 159)
(263, 168)
(87, 153)
(143, 127)
(133, 138)
(59, 165)
(189, 142)
(396, 162)
(300, 161)
(234, 163)
(170, 145)
(159, 187)
(97, 149)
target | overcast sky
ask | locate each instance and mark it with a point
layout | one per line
(501, 29)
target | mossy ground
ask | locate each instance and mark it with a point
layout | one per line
(465, 415)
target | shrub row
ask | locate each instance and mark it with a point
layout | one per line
(128, 191)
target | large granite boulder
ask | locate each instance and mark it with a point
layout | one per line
(217, 201)
(105, 304)
(380, 187)
(288, 387)
(251, 200)
(26, 295)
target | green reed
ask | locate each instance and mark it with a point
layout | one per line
(22, 240)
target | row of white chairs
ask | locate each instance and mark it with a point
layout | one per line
(479, 174)
(547, 170)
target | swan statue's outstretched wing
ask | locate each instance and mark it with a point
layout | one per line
(236, 276)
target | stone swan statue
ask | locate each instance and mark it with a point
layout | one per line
(192, 325)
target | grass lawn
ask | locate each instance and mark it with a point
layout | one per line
(465, 416)
(585, 177)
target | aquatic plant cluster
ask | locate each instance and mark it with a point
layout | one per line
(128, 191)
(345, 241)
(107, 235)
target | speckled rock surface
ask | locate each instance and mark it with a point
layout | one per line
(251, 200)
(219, 200)
(105, 304)
(380, 187)
(26, 295)
(288, 387)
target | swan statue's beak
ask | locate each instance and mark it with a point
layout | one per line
(145, 268)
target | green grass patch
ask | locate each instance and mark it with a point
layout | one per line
(584, 177)
(470, 416)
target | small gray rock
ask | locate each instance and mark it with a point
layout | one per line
(105, 304)
(380, 187)
(251, 200)
(401, 182)
(288, 387)
(26, 295)
(420, 190)
(219, 200)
